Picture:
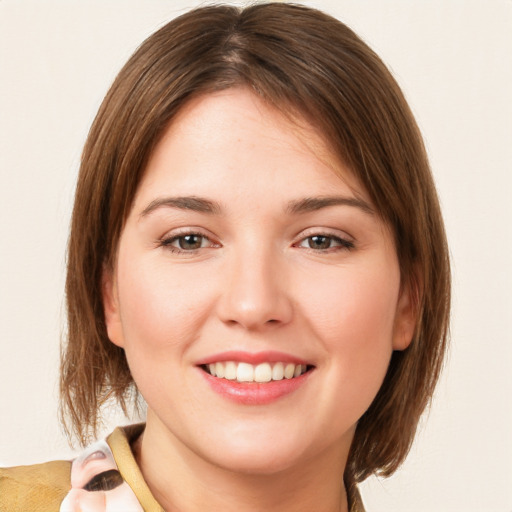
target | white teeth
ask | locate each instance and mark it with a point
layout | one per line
(244, 372)
(219, 370)
(263, 372)
(289, 371)
(278, 371)
(230, 371)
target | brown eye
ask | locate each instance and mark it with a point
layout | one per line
(190, 242)
(320, 242)
(325, 243)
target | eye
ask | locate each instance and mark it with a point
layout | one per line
(323, 242)
(105, 481)
(187, 242)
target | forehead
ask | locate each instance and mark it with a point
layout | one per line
(233, 136)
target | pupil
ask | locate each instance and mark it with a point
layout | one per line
(319, 242)
(190, 242)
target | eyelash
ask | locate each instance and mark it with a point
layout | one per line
(342, 243)
(166, 242)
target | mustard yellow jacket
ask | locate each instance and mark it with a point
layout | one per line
(105, 477)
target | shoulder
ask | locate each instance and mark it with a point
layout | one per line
(40, 487)
(104, 476)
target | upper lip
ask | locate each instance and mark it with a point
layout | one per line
(270, 356)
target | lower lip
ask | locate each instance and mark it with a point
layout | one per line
(254, 393)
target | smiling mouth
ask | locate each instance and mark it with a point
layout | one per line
(260, 373)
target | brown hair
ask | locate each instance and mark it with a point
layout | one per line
(299, 60)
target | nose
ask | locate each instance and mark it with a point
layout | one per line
(255, 295)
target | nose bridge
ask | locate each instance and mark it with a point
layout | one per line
(255, 293)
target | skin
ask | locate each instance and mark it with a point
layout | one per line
(257, 282)
(95, 461)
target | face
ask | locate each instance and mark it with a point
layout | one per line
(257, 292)
(97, 485)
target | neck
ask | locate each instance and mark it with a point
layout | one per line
(181, 480)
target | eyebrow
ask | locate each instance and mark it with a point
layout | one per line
(306, 205)
(311, 204)
(197, 204)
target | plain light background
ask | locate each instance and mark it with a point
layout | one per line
(454, 62)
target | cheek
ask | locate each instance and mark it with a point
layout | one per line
(354, 304)
(122, 498)
(161, 314)
(162, 306)
(354, 319)
(78, 500)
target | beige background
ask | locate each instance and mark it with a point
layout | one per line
(454, 61)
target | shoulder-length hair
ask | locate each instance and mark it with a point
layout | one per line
(302, 62)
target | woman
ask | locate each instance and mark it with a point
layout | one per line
(257, 248)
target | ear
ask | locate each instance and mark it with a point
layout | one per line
(111, 307)
(406, 317)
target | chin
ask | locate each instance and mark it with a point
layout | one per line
(256, 463)
(263, 454)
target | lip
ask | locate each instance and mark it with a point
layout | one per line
(253, 393)
(239, 356)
